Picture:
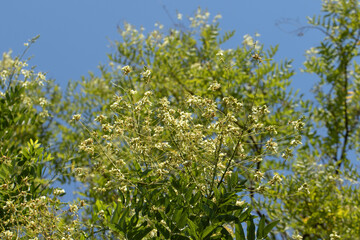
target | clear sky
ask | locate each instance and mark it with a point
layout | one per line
(75, 34)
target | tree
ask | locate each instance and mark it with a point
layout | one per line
(29, 206)
(181, 139)
(184, 130)
(320, 198)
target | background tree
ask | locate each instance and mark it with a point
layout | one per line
(319, 198)
(29, 205)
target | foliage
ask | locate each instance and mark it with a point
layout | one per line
(180, 106)
(178, 138)
(29, 207)
(161, 159)
(320, 198)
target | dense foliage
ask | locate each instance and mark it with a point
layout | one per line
(178, 138)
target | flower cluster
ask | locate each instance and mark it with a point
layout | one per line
(170, 138)
(249, 41)
(14, 72)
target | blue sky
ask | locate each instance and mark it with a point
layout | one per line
(75, 34)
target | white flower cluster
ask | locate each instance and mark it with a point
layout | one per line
(87, 146)
(334, 236)
(298, 124)
(249, 41)
(200, 18)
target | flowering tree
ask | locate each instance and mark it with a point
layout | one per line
(320, 198)
(182, 142)
(179, 138)
(29, 206)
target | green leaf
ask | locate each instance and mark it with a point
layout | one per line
(183, 219)
(245, 215)
(137, 166)
(250, 229)
(177, 215)
(208, 231)
(260, 230)
(4, 171)
(225, 234)
(116, 214)
(227, 218)
(142, 233)
(193, 229)
(134, 220)
(239, 232)
(269, 227)
(35, 38)
(162, 230)
(122, 221)
(180, 236)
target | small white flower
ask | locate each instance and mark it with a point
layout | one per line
(271, 145)
(41, 76)
(4, 74)
(312, 51)
(296, 236)
(59, 191)
(146, 74)
(214, 86)
(126, 70)
(248, 40)
(26, 73)
(153, 233)
(8, 234)
(179, 16)
(258, 176)
(305, 188)
(76, 117)
(73, 208)
(43, 102)
(239, 203)
(220, 53)
(276, 179)
(334, 236)
(218, 16)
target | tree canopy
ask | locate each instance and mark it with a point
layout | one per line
(179, 138)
